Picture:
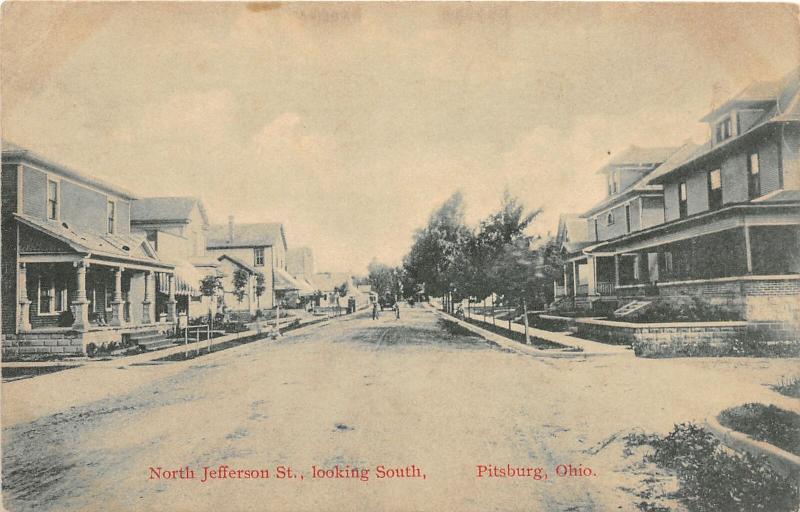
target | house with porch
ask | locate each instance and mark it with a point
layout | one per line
(176, 228)
(261, 246)
(631, 204)
(731, 229)
(74, 275)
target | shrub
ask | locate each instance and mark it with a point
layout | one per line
(713, 479)
(765, 423)
(695, 311)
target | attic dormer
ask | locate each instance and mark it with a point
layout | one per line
(737, 115)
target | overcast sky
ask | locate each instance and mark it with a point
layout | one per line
(350, 123)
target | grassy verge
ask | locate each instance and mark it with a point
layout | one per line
(539, 343)
(765, 423)
(788, 387)
(714, 479)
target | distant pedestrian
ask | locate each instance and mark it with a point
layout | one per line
(397, 310)
(374, 310)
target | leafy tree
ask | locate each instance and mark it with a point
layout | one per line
(260, 287)
(210, 286)
(240, 280)
(382, 278)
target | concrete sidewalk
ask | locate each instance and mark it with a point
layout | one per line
(587, 346)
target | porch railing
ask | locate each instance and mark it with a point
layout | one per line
(606, 288)
(197, 330)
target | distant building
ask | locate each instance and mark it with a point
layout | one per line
(300, 265)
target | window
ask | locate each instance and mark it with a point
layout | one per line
(52, 200)
(724, 129)
(111, 209)
(258, 256)
(682, 200)
(628, 218)
(52, 296)
(753, 176)
(610, 218)
(714, 189)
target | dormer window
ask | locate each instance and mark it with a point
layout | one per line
(613, 182)
(724, 129)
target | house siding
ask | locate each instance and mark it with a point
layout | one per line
(635, 210)
(697, 193)
(671, 202)
(123, 217)
(769, 166)
(790, 154)
(734, 178)
(652, 211)
(34, 192)
(8, 262)
(83, 208)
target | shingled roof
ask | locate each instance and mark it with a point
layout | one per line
(171, 209)
(245, 235)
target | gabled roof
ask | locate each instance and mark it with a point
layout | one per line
(239, 263)
(573, 232)
(757, 93)
(284, 281)
(13, 153)
(327, 281)
(169, 209)
(636, 156)
(127, 247)
(246, 235)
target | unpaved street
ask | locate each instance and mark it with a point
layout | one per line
(364, 393)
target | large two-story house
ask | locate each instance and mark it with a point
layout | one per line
(731, 229)
(631, 204)
(74, 275)
(261, 247)
(176, 228)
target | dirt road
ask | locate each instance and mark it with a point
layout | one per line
(414, 397)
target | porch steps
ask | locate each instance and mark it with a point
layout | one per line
(631, 307)
(151, 340)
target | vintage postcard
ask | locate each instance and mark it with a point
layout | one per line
(400, 256)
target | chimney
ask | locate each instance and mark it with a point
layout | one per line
(230, 229)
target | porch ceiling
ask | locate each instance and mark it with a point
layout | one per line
(705, 223)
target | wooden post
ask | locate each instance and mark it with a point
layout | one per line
(186, 341)
(525, 312)
(748, 252)
(208, 334)
(493, 322)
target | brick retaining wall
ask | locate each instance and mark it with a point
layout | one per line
(66, 343)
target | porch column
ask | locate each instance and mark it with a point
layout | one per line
(575, 279)
(117, 315)
(147, 310)
(591, 275)
(747, 251)
(616, 270)
(80, 306)
(566, 288)
(171, 302)
(24, 324)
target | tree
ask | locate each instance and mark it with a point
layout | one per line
(438, 256)
(382, 278)
(260, 287)
(240, 279)
(210, 286)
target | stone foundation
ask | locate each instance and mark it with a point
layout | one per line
(56, 343)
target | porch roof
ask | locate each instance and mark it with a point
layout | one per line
(700, 224)
(284, 281)
(124, 248)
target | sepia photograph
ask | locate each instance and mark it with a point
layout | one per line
(400, 256)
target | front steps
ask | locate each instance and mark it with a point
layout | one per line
(151, 340)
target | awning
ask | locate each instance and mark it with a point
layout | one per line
(285, 282)
(187, 280)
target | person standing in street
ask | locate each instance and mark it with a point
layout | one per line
(375, 310)
(397, 310)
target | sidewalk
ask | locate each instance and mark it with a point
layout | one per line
(587, 346)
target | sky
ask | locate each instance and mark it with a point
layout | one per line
(351, 122)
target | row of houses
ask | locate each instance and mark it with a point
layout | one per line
(85, 261)
(717, 222)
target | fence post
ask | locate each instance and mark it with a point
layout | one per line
(186, 342)
(525, 312)
(208, 333)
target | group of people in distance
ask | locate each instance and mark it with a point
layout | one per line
(376, 310)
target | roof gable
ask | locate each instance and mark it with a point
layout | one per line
(246, 235)
(171, 209)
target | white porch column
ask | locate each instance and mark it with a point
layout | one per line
(117, 315)
(566, 288)
(80, 306)
(147, 303)
(171, 302)
(748, 251)
(24, 324)
(616, 270)
(591, 274)
(574, 278)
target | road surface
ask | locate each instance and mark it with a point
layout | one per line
(416, 398)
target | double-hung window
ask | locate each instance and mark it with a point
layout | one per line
(753, 176)
(683, 196)
(52, 296)
(111, 210)
(724, 129)
(714, 189)
(52, 200)
(258, 256)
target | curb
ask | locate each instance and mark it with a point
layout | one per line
(516, 346)
(785, 463)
